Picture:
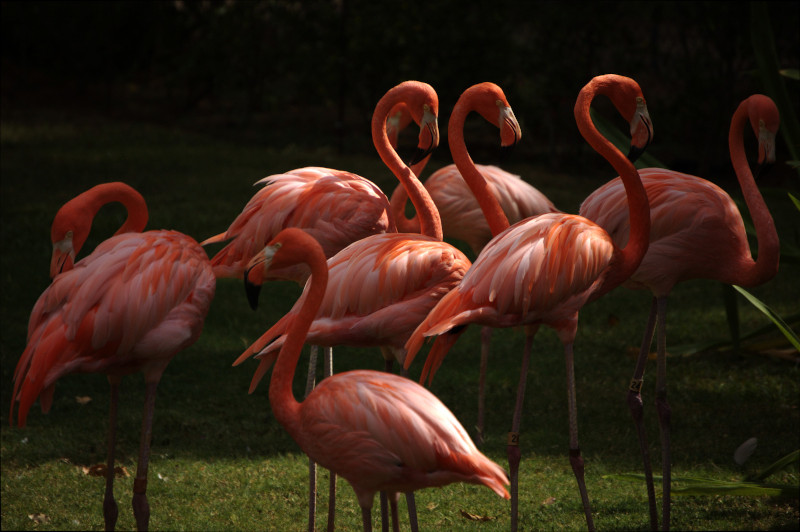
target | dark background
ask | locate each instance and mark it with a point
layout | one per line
(309, 73)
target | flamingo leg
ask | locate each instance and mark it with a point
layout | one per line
(393, 498)
(664, 411)
(312, 466)
(512, 448)
(412, 511)
(486, 338)
(384, 512)
(327, 372)
(110, 509)
(575, 458)
(636, 407)
(141, 508)
(366, 518)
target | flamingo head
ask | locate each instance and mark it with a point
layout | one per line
(765, 120)
(68, 233)
(627, 97)
(488, 100)
(256, 270)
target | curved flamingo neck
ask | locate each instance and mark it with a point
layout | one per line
(397, 205)
(429, 220)
(638, 207)
(766, 264)
(492, 211)
(306, 250)
(82, 210)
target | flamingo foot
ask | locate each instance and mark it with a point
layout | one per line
(664, 419)
(576, 460)
(141, 508)
(636, 407)
(110, 512)
(514, 456)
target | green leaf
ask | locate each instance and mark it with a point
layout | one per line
(791, 73)
(771, 314)
(794, 200)
(794, 456)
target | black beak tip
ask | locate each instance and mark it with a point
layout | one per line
(418, 155)
(762, 169)
(251, 291)
(634, 153)
(505, 152)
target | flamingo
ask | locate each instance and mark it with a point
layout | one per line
(543, 270)
(380, 431)
(336, 207)
(131, 305)
(462, 218)
(382, 286)
(696, 233)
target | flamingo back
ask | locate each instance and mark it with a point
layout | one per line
(383, 432)
(334, 206)
(696, 230)
(461, 214)
(131, 305)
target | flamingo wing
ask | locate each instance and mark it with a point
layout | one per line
(385, 432)
(334, 206)
(138, 299)
(379, 289)
(540, 270)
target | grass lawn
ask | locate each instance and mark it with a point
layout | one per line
(220, 461)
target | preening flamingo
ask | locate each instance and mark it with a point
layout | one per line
(131, 305)
(544, 269)
(696, 233)
(379, 431)
(462, 217)
(381, 287)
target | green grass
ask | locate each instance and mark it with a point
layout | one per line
(220, 461)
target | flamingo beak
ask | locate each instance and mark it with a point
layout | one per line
(63, 257)
(428, 137)
(255, 272)
(251, 290)
(641, 131)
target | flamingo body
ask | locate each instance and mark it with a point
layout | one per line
(379, 290)
(383, 432)
(539, 271)
(335, 206)
(696, 231)
(130, 306)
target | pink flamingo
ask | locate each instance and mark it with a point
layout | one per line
(462, 217)
(131, 305)
(379, 431)
(382, 286)
(696, 233)
(336, 207)
(543, 270)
